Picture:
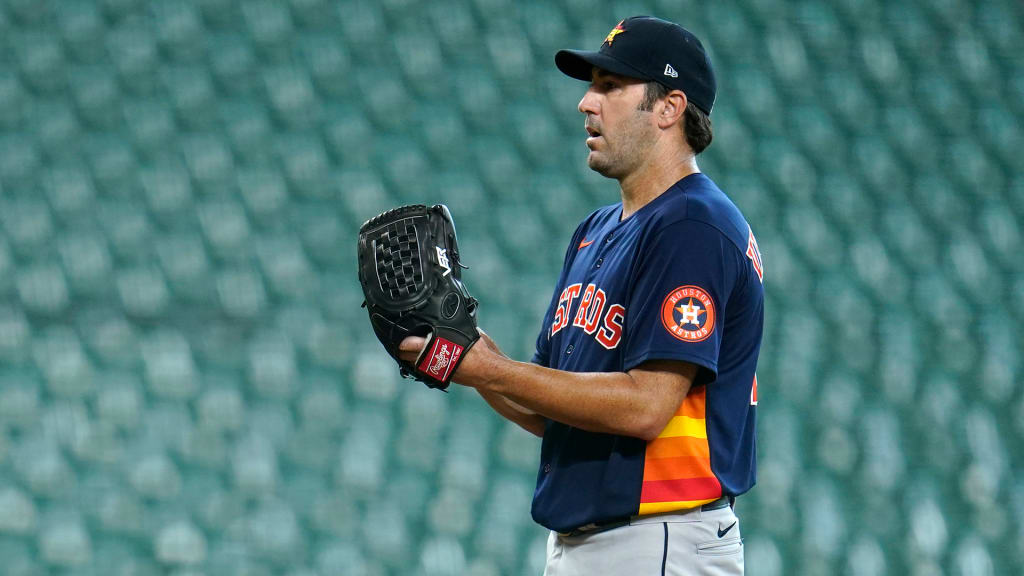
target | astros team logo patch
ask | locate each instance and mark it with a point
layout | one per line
(688, 313)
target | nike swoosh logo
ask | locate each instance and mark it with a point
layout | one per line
(584, 244)
(726, 531)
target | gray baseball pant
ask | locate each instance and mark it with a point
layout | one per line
(671, 544)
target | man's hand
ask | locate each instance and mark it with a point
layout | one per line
(472, 364)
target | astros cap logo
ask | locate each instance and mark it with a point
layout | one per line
(610, 38)
(688, 313)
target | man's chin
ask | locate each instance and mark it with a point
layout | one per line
(597, 164)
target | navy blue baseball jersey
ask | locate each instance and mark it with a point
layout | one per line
(680, 279)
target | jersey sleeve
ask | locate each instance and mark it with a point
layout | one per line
(682, 282)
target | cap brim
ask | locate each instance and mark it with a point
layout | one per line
(579, 64)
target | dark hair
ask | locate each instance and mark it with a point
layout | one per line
(696, 124)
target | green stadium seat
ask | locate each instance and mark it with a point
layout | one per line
(186, 266)
(192, 95)
(403, 164)
(348, 135)
(248, 127)
(221, 409)
(269, 25)
(168, 192)
(339, 557)
(443, 134)
(69, 191)
(169, 366)
(18, 513)
(731, 37)
(275, 533)
(442, 556)
(419, 54)
(375, 377)
(464, 469)
(537, 133)
(321, 407)
(265, 193)
(28, 224)
(181, 543)
(363, 27)
(240, 292)
(478, 95)
(288, 272)
(305, 164)
(15, 335)
(59, 355)
(42, 289)
(456, 27)
(20, 392)
(96, 96)
(254, 466)
(81, 29)
(386, 536)
(809, 231)
(12, 97)
(312, 14)
(133, 53)
(178, 30)
(19, 161)
(210, 163)
(143, 291)
(385, 98)
(327, 62)
(56, 130)
(272, 369)
(41, 61)
(226, 228)
(233, 64)
(150, 125)
(292, 97)
(364, 452)
(64, 541)
(42, 468)
(547, 29)
(511, 57)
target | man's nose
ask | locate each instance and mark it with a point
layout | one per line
(588, 104)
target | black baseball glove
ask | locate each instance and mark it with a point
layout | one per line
(410, 272)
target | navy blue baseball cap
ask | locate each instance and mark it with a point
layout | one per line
(649, 48)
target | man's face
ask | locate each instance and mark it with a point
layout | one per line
(621, 135)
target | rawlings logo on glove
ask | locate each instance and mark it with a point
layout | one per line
(410, 272)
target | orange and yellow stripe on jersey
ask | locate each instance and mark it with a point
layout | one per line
(677, 465)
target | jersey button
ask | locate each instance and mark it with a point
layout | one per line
(608, 239)
(568, 349)
(547, 468)
(599, 262)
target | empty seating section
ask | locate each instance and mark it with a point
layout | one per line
(188, 384)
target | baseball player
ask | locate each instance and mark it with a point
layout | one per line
(643, 384)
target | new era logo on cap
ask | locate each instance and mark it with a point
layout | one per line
(670, 71)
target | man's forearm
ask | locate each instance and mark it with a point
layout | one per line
(529, 421)
(613, 402)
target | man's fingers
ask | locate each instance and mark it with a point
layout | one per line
(412, 344)
(409, 349)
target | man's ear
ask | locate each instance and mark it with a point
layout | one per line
(672, 108)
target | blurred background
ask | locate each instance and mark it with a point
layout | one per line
(189, 386)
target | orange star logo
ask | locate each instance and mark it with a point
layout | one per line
(615, 32)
